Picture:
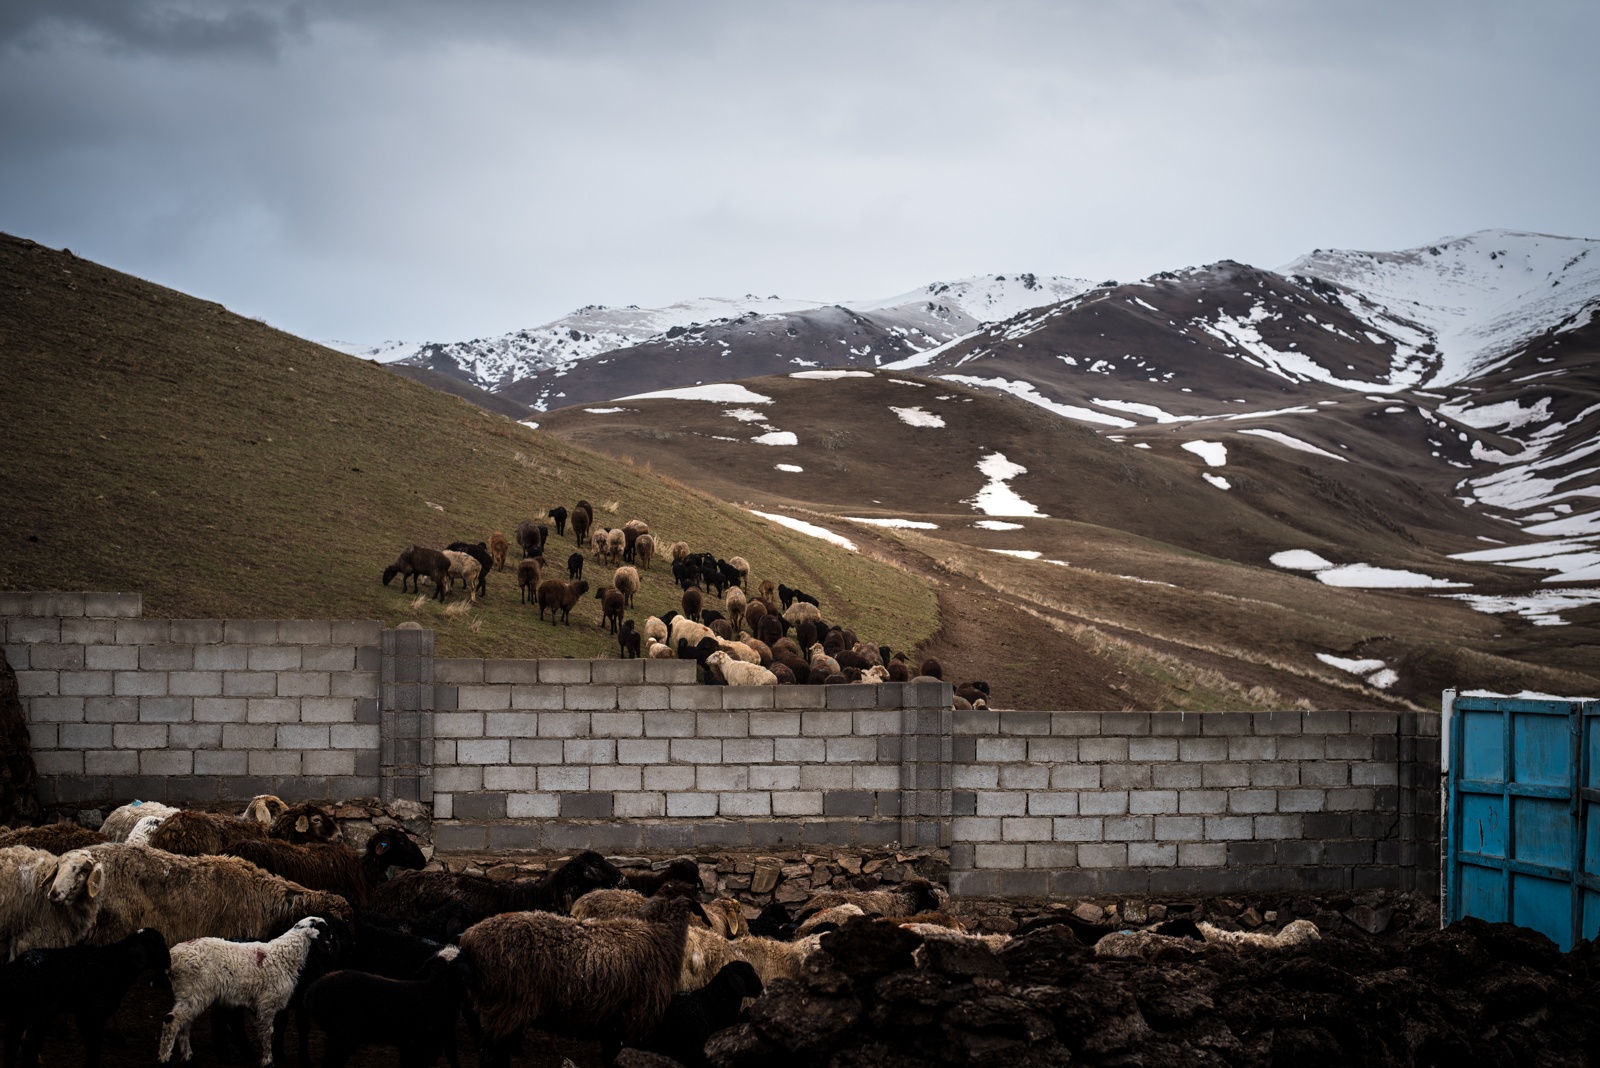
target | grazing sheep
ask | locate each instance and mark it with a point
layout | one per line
(417, 563)
(678, 550)
(415, 1016)
(628, 641)
(125, 887)
(498, 547)
(582, 519)
(616, 545)
(976, 692)
(420, 893)
(480, 553)
(465, 568)
(610, 979)
(190, 833)
(333, 866)
(612, 605)
(531, 537)
(735, 603)
(87, 981)
(754, 612)
(742, 567)
(250, 975)
(122, 820)
(644, 550)
(692, 602)
(801, 612)
(528, 580)
(626, 579)
(559, 514)
(906, 899)
(693, 1017)
(632, 530)
(56, 838)
(767, 591)
(560, 596)
(575, 566)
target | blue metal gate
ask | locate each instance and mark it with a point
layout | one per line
(1522, 842)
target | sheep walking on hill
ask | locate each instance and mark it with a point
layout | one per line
(417, 563)
(626, 580)
(465, 568)
(559, 514)
(528, 580)
(644, 550)
(560, 597)
(260, 976)
(498, 547)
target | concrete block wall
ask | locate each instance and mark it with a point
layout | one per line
(632, 756)
(178, 710)
(1079, 804)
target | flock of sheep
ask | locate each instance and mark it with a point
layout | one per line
(257, 917)
(770, 635)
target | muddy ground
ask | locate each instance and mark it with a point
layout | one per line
(1475, 994)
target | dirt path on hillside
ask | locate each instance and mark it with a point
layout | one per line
(1011, 643)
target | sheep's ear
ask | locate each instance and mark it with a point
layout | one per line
(382, 847)
(302, 825)
(97, 880)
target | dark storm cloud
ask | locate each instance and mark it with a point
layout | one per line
(159, 27)
(364, 168)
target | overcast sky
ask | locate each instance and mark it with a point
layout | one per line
(373, 169)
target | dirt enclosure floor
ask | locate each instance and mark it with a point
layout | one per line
(1475, 994)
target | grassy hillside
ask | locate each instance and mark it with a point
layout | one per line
(159, 443)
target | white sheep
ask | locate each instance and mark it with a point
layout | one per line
(738, 673)
(122, 820)
(260, 976)
(466, 569)
(140, 835)
(686, 629)
(654, 628)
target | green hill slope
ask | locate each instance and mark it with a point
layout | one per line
(159, 443)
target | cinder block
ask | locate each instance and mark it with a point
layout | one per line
(636, 805)
(642, 750)
(196, 683)
(775, 777)
(851, 750)
(1127, 724)
(1374, 774)
(1302, 800)
(927, 695)
(1275, 775)
(1102, 856)
(302, 736)
(1075, 777)
(1223, 724)
(643, 697)
(1024, 777)
(483, 751)
(1325, 721)
(1078, 829)
(1128, 828)
(1298, 853)
(110, 762)
(563, 724)
(461, 671)
(483, 698)
(747, 750)
(120, 605)
(559, 779)
(669, 725)
(697, 750)
(1175, 776)
(874, 777)
(722, 724)
(1348, 747)
(744, 803)
(140, 735)
(105, 658)
(1203, 750)
(1252, 854)
(691, 804)
(460, 725)
(274, 762)
(1179, 828)
(1125, 776)
(1276, 723)
(1053, 803)
(1146, 750)
(977, 721)
(800, 750)
(566, 672)
(1052, 750)
(1202, 854)
(249, 683)
(826, 723)
(58, 762)
(48, 656)
(590, 696)
(194, 736)
(166, 709)
(1103, 803)
(1174, 724)
(1252, 801)
(458, 779)
(847, 803)
(1103, 750)
(721, 835)
(1229, 828)
(245, 736)
(509, 671)
(301, 683)
(221, 658)
(1373, 723)
(994, 856)
(800, 697)
(333, 762)
(1025, 829)
(496, 724)
(1152, 855)
(998, 803)
(271, 709)
(748, 697)
(1219, 776)
(85, 631)
(797, 803)
(1286, 826)
(44, 735)
(265, 658)
(1159, 802)
(616, 777)
(671, 777)
(1301, 747)
(695, 698)
(1002, 750)
(589, 751)
(358, 632)
(1252, 748)
(144, 631)
(531, 806)
(1024, 723)
(135, 683)
(57, 709)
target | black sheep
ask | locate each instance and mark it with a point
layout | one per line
(530, 538)
(575, 566)
(730, 574)
(693, 1017)
(649, 883)
(415, 1016)
(776, 923)
(419, 893)
(559, 514)
(87, 981)
(480, 553)
(786, 595)
(628, 641)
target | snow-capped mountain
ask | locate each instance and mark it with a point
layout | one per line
(923, 318)
(1474, 299)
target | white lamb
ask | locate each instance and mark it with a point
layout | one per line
(251, 975)
(738, 673)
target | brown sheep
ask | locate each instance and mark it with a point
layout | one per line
(122, 820)
(417, 563)
(932, 668)
(644, 549)
(264, 808)
(767, 591)
(304, 823)
(528, 579)
(612, 605)
(133, 886)
(735, 604)
(754, 612)
(631, 532)
(626, 581)
(560, 597)
(693, 600)
(582, 519)
(611, 979)
(57, 838)
(498, 547)
(907, 899)
(192, 834)
(333, 866)
(616, 545)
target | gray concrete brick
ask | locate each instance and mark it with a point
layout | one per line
(107, 658)
(775, 777)
(1025, 829)
(167, 657)
(1348, 747)
(744, 803)
(496, 724)
(563, 724)
(137, 683)
(1078, 829)
(747, 750)
(221, 658)
(590, 697)
(458, 779)
(44, 735)
(148, 631)
(83, 736)
(1152, 855)
(302, 736)
(1160, 802)
(1024, 723)
(271, 709)
(274, 762)
(748, 697)
(1002, 803)
(1112, 750)
(140, 735)
(1147, 750)
(1024, 777)
(483, 751)
(1176, 776)
(616, 777)
(851, 750)
(644, 697)
(800, 697)
(195, 683)
(166, 709)
(1374, 774)
(112, 762)
(927, 695)
(1275, 775)
(58, 762)
(304, 631)
(1222, 724)
(483, 698)
(58, 709)
(669, 672)
(1053, 803)
(1325, 721)
(1302, 800)
(1299, 747)
(303, 683)
(1252, 801)
(1282, 826)
(335, 762)
(511, 671)
(800, 750)
(697, 750)
(991, 855)
(1103, 803)
(1051, 855)
(1042, 750)
(1229, 828)
(1202, 854)
(558, 779)
(565, 672)
(264, 658)
(637, 805)
(1203, 750)
(1092, 855)
(447, 669)
(671, 777)
(81, 683)
(244, 736)
(642, 750)
(1125, 776)
(696, 698)
(691, 804)
(1175, 724)
(669, 725)
(826, 722)
(1252, 748)
(125, 605)
(1075, 777)
(1220, 776)
(89, 632)
(195, 736)
(1278, 723)
(1252, 854)
(797, 803)
(461, 725)
(722, 724)
(589, 751)
(1179, 828)
(774, 724)
(1002, 750)
(48, 656)
(1127, 828)
(979, 721)
(249, 683)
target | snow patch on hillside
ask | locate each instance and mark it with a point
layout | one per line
(917, 417)
(716, 392)
(807, 528)
(1028, 392)
(997, 498)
